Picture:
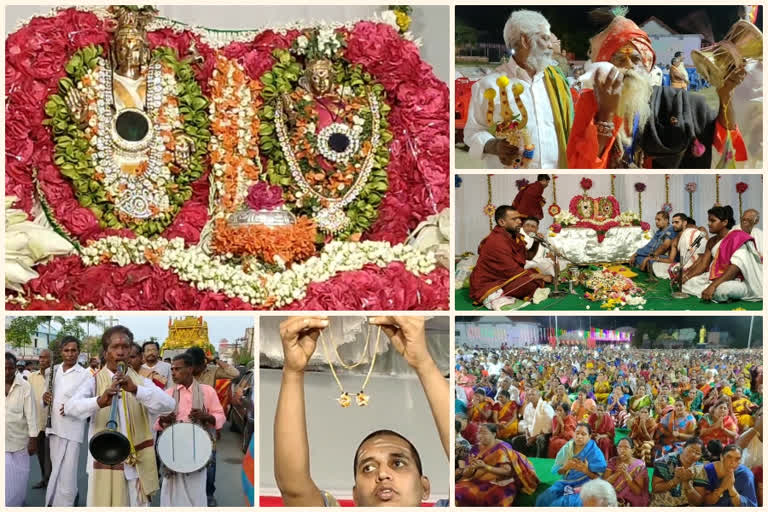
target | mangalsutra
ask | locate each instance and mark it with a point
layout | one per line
(345, 399)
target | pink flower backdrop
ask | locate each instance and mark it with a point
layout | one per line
(417, 172)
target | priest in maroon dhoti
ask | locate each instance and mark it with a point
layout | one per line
(499, 278)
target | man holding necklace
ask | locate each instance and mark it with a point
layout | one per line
(387, 466)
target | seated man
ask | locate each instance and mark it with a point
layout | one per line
(731, 267)
(748, 223)
(500, 275)
(541, 261)
(536, 426)
(625, 122)
(685, 248)
(664, 231)
(387, 466)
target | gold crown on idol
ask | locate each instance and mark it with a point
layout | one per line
(132, 20)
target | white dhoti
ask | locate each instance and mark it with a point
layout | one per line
(749, 288)
(16, 477)
(543, 265)
(135, 498)
(184, 490)
(62, 486)
(688, 254)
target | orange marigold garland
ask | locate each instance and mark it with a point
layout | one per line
(234, 150)
(290, 243)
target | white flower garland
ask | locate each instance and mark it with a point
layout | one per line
(212, 273)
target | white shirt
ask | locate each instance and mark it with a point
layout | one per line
(83, 405)
(757, 234)
(514, 394)
(65, 384)
(20, 416)
(163, 369)
(541, 120)
(538, 420)
(494, 368)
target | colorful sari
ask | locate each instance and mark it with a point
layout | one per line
(507, 420)
(481, 413)
(641, 401)
(697, 403)
(619, 416)
(607, 427)
(744, 482)
(728, 422)
(602, 391)
(559, 439)
(565, 492)
(743, 408)
(624, 493)
(486, 490)
(643, 443)
(583, 410)
(667, 442)
(664, 468)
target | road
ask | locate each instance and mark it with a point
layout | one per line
(229, 490)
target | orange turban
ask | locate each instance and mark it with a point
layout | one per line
(621, 32)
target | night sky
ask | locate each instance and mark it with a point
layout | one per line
(574, 28)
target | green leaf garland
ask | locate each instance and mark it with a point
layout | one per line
(283, 78)
(72, 151)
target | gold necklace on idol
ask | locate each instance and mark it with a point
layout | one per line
(345, 400)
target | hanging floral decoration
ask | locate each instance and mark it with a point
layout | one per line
(613, 184)
(489, 208)
(717, 189)
(585, 184)
(522, 182)
(667, 206)
(554, 208)
(691, 188)
(639, 188)
(741, 187)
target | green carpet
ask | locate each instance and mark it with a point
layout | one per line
(543, 469)
(657, 296)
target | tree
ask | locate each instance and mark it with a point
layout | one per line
(466, 35)
(644, 327)
(88, 321)
(21, 330)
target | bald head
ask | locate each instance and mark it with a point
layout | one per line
(749, 219)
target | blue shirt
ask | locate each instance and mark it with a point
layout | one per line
(658, 238)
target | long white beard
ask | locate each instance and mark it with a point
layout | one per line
(635, 99)
(540, 59)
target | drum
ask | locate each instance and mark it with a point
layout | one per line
(184, 447)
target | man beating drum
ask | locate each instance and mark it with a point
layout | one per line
(186, 444)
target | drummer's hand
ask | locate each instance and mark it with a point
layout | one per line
(200, 416)
(299, 336)
(168, 419)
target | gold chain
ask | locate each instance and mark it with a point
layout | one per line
(365, 351)
(344, 399)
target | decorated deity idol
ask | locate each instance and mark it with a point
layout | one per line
(330, 127)
(127, 106)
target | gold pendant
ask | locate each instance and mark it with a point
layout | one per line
(344, 400)
(362, 399)
(131, 460)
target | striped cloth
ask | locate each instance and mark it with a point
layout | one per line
(248, 474)
(16, 477)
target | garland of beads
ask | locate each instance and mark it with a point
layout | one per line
(490, 205)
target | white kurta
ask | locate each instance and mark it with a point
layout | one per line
(687, 255)
(750, 288)
(65, 436)
(541, 121)
(83, 405)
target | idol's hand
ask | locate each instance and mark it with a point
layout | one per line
(608, 83)
(408, 337)
(299, 336)
(184, 148)
(74, 101)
